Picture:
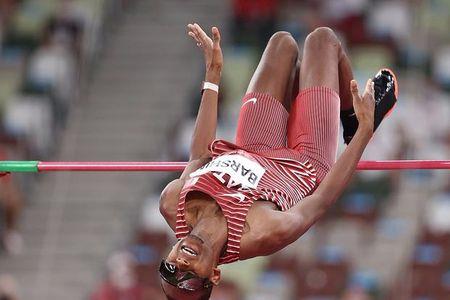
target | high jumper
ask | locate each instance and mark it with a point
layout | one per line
(255, 196)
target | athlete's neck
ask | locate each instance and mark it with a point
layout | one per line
(209, 224)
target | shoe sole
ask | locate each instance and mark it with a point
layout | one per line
(395, 93)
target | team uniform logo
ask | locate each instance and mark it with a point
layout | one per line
(252, 100)
(239, 196)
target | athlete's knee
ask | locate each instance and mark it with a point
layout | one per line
(281, 35)
(284, 42)
(323, 34)
(323, 38)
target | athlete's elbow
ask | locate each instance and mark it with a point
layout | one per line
(163, 207)
(309, 217)
(166, 208)
(293, 228)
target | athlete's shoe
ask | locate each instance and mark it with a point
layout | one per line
(386, 93)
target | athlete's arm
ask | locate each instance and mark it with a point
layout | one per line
(303, 215)
(206, 123)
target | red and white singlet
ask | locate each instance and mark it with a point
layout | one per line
(236, 178)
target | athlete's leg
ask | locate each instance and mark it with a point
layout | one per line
(348, 116)
(314, 119)
(274, 72)
(320, 65)
(345, 76)
(327, 64)
(293, 85)
(262, 123)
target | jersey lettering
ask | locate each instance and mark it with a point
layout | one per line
(241, 170)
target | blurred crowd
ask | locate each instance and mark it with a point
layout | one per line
(47, 46)
(47, 49)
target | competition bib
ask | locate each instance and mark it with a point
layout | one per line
(241, 171)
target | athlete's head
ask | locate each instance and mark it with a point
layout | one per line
(190, 270)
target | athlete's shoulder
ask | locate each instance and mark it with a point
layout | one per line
(169, 200)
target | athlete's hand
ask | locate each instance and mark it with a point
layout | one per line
(364, 104)
(210, 46)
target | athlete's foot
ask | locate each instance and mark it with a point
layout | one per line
(386, 93)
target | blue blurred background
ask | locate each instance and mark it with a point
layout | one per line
(119, 80)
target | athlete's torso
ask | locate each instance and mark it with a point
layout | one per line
(237, 181)
(257, 230)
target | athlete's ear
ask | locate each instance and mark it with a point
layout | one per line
(215, 276)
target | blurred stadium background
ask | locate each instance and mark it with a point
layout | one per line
(119, 80)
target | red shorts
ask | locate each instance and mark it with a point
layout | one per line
(308, 133)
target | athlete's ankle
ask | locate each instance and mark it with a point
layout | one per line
(349, 123)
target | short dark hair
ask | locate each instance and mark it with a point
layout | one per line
(203, 295)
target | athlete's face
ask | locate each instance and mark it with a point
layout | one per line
(192, 254)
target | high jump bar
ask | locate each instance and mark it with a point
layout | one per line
(131, 166)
